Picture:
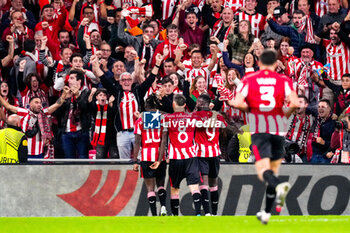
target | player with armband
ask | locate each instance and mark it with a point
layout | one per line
(149, 139)
(180, 126)
(262, 94)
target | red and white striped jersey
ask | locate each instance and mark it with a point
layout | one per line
(256, 20)
(151, 139)
(191, 72)
(127, 107)
(180, 127)
(28, 121)
(321, 7)
(168, 7)
(207, 138)
(338, 57)
(265, 92)
(234, 4)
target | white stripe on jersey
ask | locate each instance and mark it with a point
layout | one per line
(168, 7)
(257, 21)
(321, 7)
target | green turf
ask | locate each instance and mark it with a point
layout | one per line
(217, 224)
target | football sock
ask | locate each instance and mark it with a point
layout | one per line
(214, 197)
(174, 203)
(152, 202)
(205, 198)
(162, 196)
(196, 195)
(270, 178)
(270, 198)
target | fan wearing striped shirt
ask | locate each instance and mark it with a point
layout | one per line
(197, 66)
(35, 123)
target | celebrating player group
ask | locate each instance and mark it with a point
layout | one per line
(189, 142)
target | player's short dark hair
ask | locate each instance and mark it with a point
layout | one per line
(75, 55)
(152, 102)
(167, 80)
(80, 75)
(179, 99)
(268, 57)
(303, 97)
(206, 98)
(326, 101)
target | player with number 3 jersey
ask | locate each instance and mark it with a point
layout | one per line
(263, 94)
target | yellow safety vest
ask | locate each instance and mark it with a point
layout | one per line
(244, 144)
(10, 141)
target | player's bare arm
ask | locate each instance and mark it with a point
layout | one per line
(156, 164)
(136, 152)
(293, 103)
(239, 102)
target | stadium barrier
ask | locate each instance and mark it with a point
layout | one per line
(116, 190)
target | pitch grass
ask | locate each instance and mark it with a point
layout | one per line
(215, 224)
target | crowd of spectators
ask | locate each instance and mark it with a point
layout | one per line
(79, 71)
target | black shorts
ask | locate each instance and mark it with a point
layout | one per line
(147, 172)
(183, 168)
(266, 145)
(209, 166)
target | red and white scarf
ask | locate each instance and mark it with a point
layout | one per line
(307, 24)
(143, 11)
(100, 126)
(218, 26)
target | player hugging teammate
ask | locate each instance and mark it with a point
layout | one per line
(193, 153)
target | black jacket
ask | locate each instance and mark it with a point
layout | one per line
(116, 90)
(84, 112)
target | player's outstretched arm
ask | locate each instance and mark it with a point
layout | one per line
(163, 144)
(293, 103)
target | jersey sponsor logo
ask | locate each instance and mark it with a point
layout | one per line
(90, 200)
(151, 120)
